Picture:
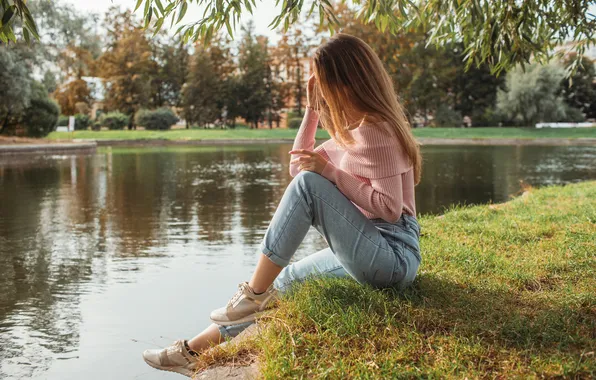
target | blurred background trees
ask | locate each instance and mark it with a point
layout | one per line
(112, 65)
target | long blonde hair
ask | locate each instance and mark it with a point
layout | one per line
(349, 74)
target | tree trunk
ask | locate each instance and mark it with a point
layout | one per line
(4, 123)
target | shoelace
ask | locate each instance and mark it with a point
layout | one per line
(238, 294)
(173, 349)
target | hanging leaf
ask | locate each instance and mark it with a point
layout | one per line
(159, 6)
(182, 11)
(7, 15)
(148, 18)
(230, 32)
(139, 2)
(146, 11)
(158, 25)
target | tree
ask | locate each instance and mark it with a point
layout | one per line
(501, 33)
(41, 116)
(75, 64)
(211, 94)
(289, 55)
(68, 49)
(579, 91)
(23, 101)
(63, 31)
(199, 94)
(71, 95)
(126, 66)
(172, 58)
(49, 81)
(15, 83)
(276, 93)
(474, 90)
(533, 95)
(432, 80)
(253, 68)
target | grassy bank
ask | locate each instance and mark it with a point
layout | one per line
(243, 133)
(504, 291)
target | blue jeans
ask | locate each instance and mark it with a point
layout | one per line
(371, 251)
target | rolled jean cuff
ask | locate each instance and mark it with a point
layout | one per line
(277, 260)
(233, 330)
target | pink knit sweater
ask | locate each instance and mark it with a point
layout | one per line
(374, 173)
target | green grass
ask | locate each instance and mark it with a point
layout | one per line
(504, 291)
(244, 133)
(517, 133)
(185, 134)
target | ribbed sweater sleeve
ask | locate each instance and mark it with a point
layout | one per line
(382, 196)
(371, 175)
(305, 138)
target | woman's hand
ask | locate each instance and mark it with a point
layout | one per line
(310, 91)
(309, 161)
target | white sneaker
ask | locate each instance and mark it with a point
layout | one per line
(174, 358)
(245, 306)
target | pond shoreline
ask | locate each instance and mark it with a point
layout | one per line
(423, 141)
(62, 147)
(90, 146)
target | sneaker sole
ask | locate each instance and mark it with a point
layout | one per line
(183, 371)
(248, 318)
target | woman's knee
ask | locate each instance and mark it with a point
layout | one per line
(306, 180)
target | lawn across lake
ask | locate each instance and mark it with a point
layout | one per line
(504, 291)
(245, 133)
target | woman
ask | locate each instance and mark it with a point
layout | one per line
(356, 189)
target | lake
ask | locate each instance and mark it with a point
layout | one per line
(104, 255)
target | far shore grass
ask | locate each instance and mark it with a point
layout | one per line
(504, 291)
(245, 133)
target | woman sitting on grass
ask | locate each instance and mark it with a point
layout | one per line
(356, 189)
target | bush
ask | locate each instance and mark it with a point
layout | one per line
(294, 123)
(96, 126)
(447, 117)
(62, 121)
(114, 120)
(82, 122)
(574, 115)
(295, 115)
(40, 117)
(159, 119)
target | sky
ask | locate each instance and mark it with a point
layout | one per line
(262, 17)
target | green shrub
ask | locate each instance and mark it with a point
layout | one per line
(82, 122)
(295, 115)
(294, 123)
(159, 119)
(488, 117)
(62, 121)
(40, 117)
(114, 120)
(96, 126)
(447, 118)
(573, 115)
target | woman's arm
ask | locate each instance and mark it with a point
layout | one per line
(382, 197)
(305, 138)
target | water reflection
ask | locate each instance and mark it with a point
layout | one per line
(79, 232)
